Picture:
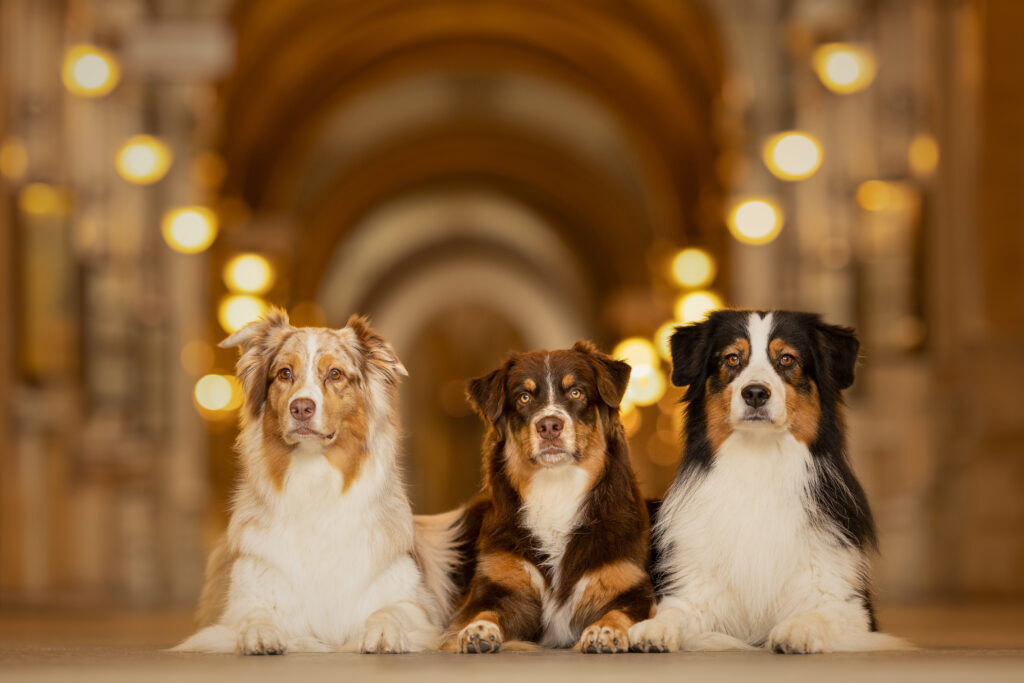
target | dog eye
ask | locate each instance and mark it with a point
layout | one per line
(335, 373)
(525, 398)
(284, 373)
(785, 360)
(732, 360)
(575, 393)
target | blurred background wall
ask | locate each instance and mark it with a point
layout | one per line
(487, 175)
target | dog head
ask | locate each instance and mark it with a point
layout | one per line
(313, 385)
(552, 407)
(763, 371)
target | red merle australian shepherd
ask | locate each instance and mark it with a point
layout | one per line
(558, 539)
(763, 538)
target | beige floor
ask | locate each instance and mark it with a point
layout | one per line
(958, 643)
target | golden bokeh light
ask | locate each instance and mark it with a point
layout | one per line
(238, 310)
(189, 229)
(923, 155)
(90, 71)
(646, 385)
(40, 199)
(631, 418)
(792, 155)
(13, 159)
(143, 159)
(844, 68)
(693, 267)
(213, 392)
(755, 221)
(694, 306)
(248, 273)
(662, 336)
(881, 195)
(636, 351)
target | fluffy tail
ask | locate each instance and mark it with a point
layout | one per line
(215, 638)
(437, 543)
(872, 641)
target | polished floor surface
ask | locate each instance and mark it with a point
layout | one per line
(958, 643)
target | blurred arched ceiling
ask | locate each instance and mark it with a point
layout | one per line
(598, 115)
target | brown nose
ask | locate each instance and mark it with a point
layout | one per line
(302, 409)
(550, 428)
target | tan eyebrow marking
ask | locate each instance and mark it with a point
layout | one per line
(568, 380)
(777, 347)
(740, 347)
(530, 385)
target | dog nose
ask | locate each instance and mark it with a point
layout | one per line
(550, 428)
(302, 409)
(755, 395)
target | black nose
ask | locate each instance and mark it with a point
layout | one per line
(302, 409)
(755, 395)
(550, 428)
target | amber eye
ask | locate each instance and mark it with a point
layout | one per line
(284, 373)
(786, 360)
(525, 398)
(335, 373)
(732, 360)
(575, 393)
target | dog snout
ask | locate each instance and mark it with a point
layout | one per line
(302, 409)
(755, 395)
(550, 428)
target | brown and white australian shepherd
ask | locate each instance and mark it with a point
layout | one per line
(557, 541)
(318, 554)
(763, 538)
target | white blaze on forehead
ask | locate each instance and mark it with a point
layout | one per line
(309, 383)
(759, 332)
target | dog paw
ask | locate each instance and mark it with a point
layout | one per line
(802, 634)
(260, 638)
(604, 639)
(653, 636)
(480, 637)
(383, 635)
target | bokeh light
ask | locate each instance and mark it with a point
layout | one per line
(755, 221)
(882, 195)
(238, 310)
(189, 229)
(143, 159)
(213, 392)
(13, 159)
(792, 155)
(923, 155)
(90, 71)
(662, 337)
(693, 267)
(694, 306)
(636, 351)
(646, 385)
(249, 273)
(40, 199)
(844, 68)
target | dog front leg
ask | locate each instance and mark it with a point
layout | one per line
(614, 598)
(257, 589)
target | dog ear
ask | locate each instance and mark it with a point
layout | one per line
(259, 342)
(612, 375)
(690, 346)
(837, 347)
(487, 394)
(380, 355)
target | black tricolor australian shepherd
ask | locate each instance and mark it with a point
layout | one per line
(763, 537)
(555, 547)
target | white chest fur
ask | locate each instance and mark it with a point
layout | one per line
(743, 545)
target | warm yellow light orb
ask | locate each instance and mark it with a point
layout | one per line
(143, 159)
(40, 199)
(636, 351)
(792, 155)
(249, 273)
(844, 68)
(755, 221)
(646, 385)
(213, 392)
(694, 306)
(13, 159)
(238, 310)
(881, 195)
(189, 229)
(90, 71)
(923, 155)
(693, 267)
(662, 337)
